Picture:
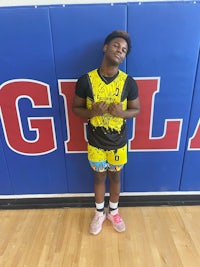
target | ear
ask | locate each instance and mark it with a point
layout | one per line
(105, 48)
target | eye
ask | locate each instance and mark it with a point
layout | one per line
(116, 45)
(124, 50)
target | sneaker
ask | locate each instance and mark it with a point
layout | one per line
(117, 221)
(97, 221)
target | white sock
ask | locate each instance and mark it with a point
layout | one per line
(100, 206)
(113, 206)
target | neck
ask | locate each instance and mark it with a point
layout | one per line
(108, 71)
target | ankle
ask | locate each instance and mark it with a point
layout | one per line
(113, 211)
(101, 210)
(100, 207)
(113, 207)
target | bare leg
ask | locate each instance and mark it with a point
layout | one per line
(115, 185)
(113, 215)
(99, 186)
(99, 190)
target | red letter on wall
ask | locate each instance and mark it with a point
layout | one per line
(39, 95)
(194, 141)
(142, 139)
(76, 126)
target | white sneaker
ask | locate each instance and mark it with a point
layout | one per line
(97, 222)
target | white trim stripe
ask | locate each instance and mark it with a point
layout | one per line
(37, 196)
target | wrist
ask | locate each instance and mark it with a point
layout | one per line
(92, 113)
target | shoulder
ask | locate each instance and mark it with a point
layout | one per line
(131, 87)
(83, 86)
(131, 81)
(82, 79)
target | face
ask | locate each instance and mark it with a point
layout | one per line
(115, 52)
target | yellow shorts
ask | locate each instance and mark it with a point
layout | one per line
(101, 160)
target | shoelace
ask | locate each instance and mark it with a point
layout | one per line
(117, 218)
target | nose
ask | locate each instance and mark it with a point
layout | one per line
(119, 50)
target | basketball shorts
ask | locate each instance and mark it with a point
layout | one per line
(102, 160)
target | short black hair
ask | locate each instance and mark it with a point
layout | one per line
(119, 34)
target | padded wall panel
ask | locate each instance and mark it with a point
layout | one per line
(78, 35)
(5, 184)
(165, 45)
(191, 167)
(29, 90)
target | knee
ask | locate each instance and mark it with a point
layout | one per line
(114, 177)
(99, 177)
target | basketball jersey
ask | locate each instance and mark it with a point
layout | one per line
(106, 131)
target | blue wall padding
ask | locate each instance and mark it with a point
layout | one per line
(27, 53)
(78, 33)
(161, 49)
(191, 166)
(77, 49)
(5, 183)
(45, 46)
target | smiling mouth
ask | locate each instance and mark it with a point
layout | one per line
(118, 57)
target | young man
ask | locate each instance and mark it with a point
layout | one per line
(107, 97)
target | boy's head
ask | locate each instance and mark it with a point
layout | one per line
(119, 34)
